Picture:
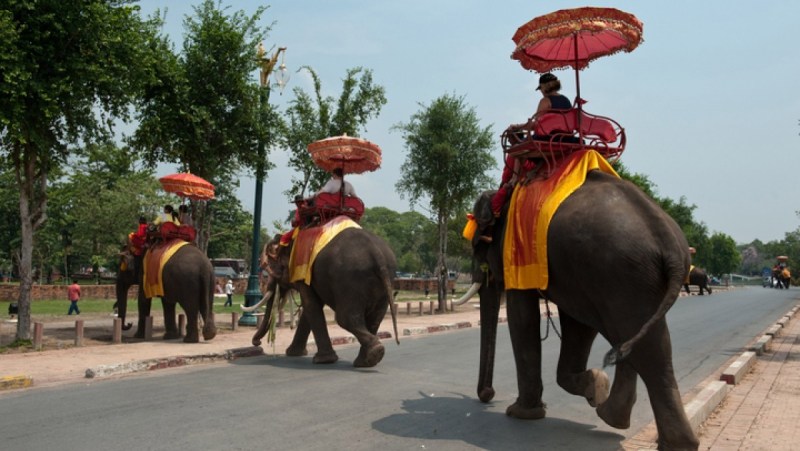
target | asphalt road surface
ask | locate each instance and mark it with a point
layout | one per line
(421, 396)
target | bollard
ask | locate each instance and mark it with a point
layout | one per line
(181, 325)
(430, 308)
(38, 332)
(420, 308)
(79, 332)
(117, 338)
(408, 308)
(148, 328)
(234, 320)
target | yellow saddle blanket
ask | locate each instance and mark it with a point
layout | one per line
(309, 242)
(154, 260)
(531, 208)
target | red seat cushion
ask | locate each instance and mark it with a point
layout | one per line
(599, 127)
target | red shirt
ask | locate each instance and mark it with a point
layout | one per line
(74, 292)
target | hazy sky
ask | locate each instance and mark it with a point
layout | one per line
(709, 101)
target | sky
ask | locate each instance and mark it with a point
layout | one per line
(709, 101)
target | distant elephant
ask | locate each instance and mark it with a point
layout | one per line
(616, 264)
(783, 277)
(188, 280)
(353, 275)
(698, 277)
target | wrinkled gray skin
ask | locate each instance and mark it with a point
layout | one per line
(699, 278)
(616, 264)
(188, 280)
(353, 275)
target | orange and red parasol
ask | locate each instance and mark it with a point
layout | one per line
(188, 185)
(353, 155)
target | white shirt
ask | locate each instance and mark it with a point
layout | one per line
(334, 185)
(229, 288)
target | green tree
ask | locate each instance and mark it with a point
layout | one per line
(67, 70)
(448, 156)
(724, 257)
(410, 235)
(314, 118)
(207, 113)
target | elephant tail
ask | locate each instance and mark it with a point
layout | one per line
(675, 272)
(393, 308)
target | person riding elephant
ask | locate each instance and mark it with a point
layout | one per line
(352, 274)
(185, 278)
(615, 265)
(698, 277)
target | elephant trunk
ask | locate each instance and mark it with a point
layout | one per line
(473, 289)
(264, 326)
(490, 312)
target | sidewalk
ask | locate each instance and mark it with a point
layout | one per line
(761, 411)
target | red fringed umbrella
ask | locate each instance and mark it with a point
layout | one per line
(574, 38)
(353, 155)
(188, 185)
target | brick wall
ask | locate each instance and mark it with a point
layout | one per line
(10, 292)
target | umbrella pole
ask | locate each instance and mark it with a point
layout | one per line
(578, 100)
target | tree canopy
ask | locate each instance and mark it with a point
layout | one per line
(448, 155)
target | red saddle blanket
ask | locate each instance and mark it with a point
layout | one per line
(530, 211)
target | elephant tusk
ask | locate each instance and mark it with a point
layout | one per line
(255, 307)
(469, 294)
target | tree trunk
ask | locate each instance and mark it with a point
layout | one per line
(32, 205)
(441, 263)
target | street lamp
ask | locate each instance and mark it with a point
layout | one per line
(253, 293)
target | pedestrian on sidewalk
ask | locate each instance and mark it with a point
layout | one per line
(229, 292)
(74, 295)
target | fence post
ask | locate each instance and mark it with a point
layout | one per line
(79, 332)
(148, 328)
(38, 332)
(117, 338)
(234, 320)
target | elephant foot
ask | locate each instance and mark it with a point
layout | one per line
(370, 357)
(296, 351)
(526, 413)
(191, 338)
(209, 332)
(171, 335)
(597, 391)
(486, 394)
(606, 412)
(325, 357)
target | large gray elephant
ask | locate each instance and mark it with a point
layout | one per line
(188, 280)
(616, 264)
(699, 278)
(353, 275)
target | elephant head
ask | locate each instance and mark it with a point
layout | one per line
(129, 273)
(275, 261)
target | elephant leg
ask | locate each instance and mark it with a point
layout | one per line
(686, 287)
(192, 330)
(616, 410)
(171, 328)
(312, 311)
(572, 375)
(524, 326)
(365, 329)
(652, 359)
(298, 346)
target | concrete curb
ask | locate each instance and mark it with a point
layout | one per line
(734, 373)
(13, 382)
(232, 354)
(704, 404)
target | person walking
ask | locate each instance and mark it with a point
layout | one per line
(229, 293)
(74, 295)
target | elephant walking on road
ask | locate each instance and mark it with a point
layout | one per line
(353, 275)
(699, 278)
(616, 264)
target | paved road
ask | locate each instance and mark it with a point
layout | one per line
(421, 396)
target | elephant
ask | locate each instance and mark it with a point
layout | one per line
(616, 264)
(782, 275)
(353, 275)
(188, 280)
(698, 276)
